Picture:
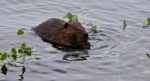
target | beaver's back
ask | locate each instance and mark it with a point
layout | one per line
(47, 28)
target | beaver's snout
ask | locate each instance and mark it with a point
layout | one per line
(86, 45)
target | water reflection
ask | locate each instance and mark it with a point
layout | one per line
(22, 74)
(103, 39)
(76, 55)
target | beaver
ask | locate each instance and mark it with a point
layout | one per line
(63, 34)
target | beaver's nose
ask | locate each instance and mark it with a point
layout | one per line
(86, 45)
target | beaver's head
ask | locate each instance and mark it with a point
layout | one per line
(76, 34)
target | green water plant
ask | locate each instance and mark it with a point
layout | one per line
(20, 32)
(71, 17)
(124, 25)
(93, 28)
(15, 54)
(148, 23)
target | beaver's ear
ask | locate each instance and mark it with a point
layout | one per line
(66, 25)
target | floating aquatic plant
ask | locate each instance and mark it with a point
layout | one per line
(71, 17)
(148, 23)
(94, 28)
(20, 32)
(14, 54)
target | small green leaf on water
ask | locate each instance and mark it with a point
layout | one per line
(14, 51)
(23, 46)
(20, 51)
(28, 51)
(71, 17)
(94, 28)
(3, 56)
(20, 32)
(74, 18)
(14, 56)
(148, 21)
(4, 69)
(124, 24)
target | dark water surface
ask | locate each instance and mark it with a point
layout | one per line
(114, 56)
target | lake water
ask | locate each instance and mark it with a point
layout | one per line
(114, 56)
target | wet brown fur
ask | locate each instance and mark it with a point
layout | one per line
(62, 33)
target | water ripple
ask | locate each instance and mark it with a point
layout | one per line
(103, 40)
